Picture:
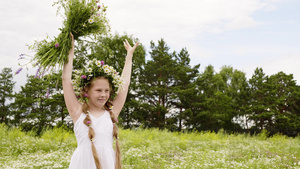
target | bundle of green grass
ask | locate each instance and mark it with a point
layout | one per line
(81, 18)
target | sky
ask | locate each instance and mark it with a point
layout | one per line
(244, 34)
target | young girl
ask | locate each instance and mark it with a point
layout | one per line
(103, 96)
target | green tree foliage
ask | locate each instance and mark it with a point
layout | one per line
(30, 109)
(236, 89)
(283, 90)
(6, 93)
(219, 98)
(157, 82)
(199, 117)
(274, 103)
(59, 113)
(184, 87)
(259, 99)
(39, 104)
(168, 87)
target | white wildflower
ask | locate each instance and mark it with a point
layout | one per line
(91, 20)
(106, 70)
(98, 63)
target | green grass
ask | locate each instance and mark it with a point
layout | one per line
(155, 149)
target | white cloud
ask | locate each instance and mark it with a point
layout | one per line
(241, 22)
(181, 23)
(185, 18)
(289, 64)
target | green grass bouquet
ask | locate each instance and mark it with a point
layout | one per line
(81, 18)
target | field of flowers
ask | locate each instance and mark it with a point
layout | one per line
(154, 149)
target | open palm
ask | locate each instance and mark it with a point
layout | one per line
(128, 47)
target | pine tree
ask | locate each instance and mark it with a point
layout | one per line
(259, 98)
(157, 82)
(283, 91)
(6, 94)
(184, 88)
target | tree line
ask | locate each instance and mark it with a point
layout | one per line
(166, 92)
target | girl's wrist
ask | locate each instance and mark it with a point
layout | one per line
(129, 56)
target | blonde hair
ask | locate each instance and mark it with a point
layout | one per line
(91, 132)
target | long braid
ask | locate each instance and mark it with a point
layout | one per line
(87, 121)
(108, 106)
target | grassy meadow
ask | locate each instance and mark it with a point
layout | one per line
(154, 149)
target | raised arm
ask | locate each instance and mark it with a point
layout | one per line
(73, 105)
(126, 75)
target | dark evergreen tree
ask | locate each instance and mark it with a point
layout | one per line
(259, 99)
(184, 89)
(204, 117)
(283, 93)
(157, 82)
(6, 94)
(241, 99)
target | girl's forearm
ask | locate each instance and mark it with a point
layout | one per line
(67, 68)
(126, 73)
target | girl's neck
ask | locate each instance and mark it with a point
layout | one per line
(96, 110)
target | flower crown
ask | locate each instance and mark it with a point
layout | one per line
(93, 69)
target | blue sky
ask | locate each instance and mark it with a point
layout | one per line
(244, 34)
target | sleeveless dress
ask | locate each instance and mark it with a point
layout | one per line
(83, 156)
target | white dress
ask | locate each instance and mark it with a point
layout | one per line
(83, 156)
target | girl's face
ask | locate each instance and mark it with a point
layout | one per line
(99, 92)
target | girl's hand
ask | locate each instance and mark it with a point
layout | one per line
(72, 37)
(128, 47)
